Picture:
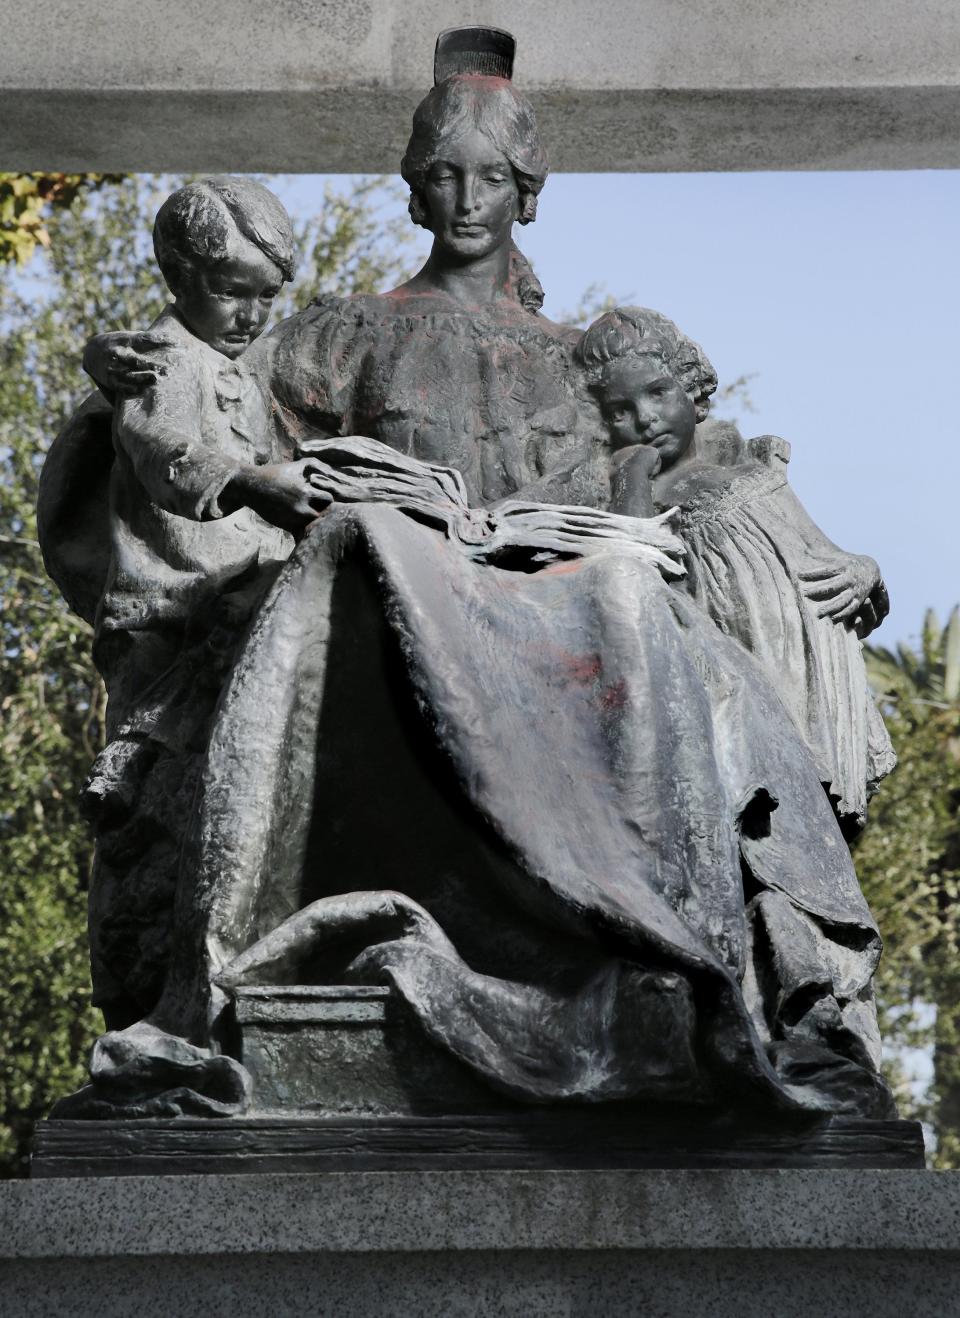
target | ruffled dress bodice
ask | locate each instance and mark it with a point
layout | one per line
(486, 391)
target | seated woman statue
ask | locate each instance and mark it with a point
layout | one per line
(477, 746)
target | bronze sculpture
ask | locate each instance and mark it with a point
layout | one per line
(477, 741)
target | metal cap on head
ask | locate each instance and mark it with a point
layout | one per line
(485, 50)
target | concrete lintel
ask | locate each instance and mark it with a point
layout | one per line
(328, 85)
(304, 132)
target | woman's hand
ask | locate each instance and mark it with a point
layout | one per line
(847, 589)
(356, 469)
(127, 362)
(873, 611)
(285, 494)
(576, 532)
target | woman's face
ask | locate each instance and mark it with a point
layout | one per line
(471, 196)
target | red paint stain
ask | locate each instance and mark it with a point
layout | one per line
(614, 696)
(561, 569)
(582, 668)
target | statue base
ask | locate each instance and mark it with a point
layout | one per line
(607, 1136)
(345, 1079)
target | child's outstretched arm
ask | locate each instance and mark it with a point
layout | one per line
(158, 430)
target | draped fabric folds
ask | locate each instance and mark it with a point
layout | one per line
(601, 772)
(747, 537)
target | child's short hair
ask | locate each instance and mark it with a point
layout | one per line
(193, 225)
(639, 332)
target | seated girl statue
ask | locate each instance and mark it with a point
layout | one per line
(756, 562)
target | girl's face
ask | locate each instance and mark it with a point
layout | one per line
(471, 196)
(642, 403)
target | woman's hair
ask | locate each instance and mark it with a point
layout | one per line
(195, 223)
(496, 108)
(524, 284)
(639, 332)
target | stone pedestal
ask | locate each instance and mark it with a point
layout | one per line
(865, 1244)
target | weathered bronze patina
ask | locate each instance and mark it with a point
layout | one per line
(462, 675)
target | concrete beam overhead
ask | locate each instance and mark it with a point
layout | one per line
(329, 85)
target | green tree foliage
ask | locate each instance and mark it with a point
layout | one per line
(25, 202)
(51, 701)
(908, 860)
(97, 273)
(360, 242)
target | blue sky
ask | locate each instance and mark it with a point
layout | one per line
(839, 293)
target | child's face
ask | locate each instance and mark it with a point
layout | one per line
(227, 304)
(642, 403)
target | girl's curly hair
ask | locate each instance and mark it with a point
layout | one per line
(640, 332)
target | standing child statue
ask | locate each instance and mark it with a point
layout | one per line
(200, 511)
(757, 563)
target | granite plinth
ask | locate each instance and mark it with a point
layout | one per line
(475, 1243)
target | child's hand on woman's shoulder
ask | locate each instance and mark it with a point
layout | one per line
(125, 362)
